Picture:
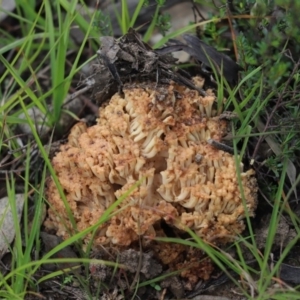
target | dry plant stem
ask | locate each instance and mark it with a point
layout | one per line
(78, 93)
(93, 107)
(16, 161)
(163, 293)
(278, 103)
(221, 146)
(233, 36)
(196, 9)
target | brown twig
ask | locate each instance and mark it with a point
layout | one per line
(233, 36)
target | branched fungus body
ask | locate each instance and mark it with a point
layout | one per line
(158, 135)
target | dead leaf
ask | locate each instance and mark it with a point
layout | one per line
(290, 273)
(205, 54)
(129, 57)
(8, 230)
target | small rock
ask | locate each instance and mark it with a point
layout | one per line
(51, 241)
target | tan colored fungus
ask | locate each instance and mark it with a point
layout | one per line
(161, 138)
